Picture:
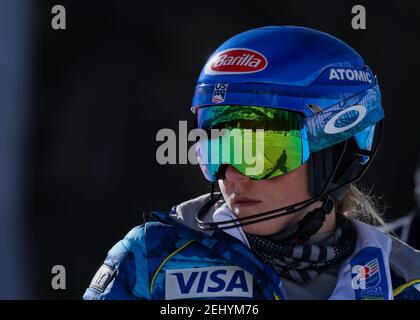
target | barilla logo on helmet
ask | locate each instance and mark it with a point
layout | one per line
(236, 61)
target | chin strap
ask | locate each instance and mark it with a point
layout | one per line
(311, 222)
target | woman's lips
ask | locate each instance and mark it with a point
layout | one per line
(241, 201)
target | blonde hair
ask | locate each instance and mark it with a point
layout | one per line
(361, 205)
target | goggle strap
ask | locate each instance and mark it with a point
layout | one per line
(312, 221)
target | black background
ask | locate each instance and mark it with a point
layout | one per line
(122, 70)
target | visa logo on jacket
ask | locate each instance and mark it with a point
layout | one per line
(226, 281)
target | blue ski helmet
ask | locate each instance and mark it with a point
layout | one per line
(305, 71)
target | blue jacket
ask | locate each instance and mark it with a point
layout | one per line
(173, 259)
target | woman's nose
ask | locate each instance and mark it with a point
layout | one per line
(233, 174)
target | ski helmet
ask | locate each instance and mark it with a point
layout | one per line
(302, 72)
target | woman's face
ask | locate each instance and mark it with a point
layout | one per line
(247, 197)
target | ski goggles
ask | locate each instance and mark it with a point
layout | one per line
(259, 142)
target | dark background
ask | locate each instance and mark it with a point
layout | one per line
(122, 70)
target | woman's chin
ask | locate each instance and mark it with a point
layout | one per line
(264, 228)
(269, 227)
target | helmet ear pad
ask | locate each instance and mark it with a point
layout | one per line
(339, 163)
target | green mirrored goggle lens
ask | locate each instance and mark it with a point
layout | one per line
(260, 142)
